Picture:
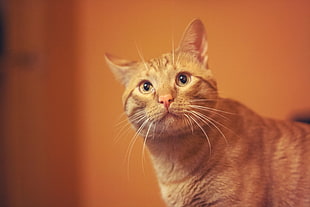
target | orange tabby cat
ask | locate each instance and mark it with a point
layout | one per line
(207, 150)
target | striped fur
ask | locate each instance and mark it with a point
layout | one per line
(207, 150)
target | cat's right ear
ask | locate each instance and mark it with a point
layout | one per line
(121, 68)
(194, 41)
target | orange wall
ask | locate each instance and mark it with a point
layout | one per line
(39, 135)
(259, 52)
(60, 114)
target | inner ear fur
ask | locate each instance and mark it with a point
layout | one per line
(194, 41)
(121, 68)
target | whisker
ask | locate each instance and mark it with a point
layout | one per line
(211, 109)
(122, 116)
(132, 118)
(138, 117)
(144, 145)
(154, 131)
(124, 130)
(173, 50)
(133, 141)
(123, 126)
(121, 122)
(161, 130)
(208, 120)
(178, 56)
(217, 112)
(190, 123)
(137, 113)
(227, 128)
(201, 128)
(141, 56)
(121, 132)
(203, 100)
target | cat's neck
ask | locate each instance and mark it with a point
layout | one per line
(178, 157)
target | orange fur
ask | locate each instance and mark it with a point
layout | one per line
(207, 150)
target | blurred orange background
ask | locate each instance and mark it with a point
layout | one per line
(60, 104)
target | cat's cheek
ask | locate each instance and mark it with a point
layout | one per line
(135, 104)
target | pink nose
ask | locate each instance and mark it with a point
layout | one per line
(166, 100)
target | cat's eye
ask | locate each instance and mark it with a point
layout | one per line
(182, 79)
(146, 87)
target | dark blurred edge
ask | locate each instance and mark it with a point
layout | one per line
(302, 116)
(303, 119)
(3, 184)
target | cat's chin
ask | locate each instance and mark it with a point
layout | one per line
(171, 125)
(164, 125)
(169, 118)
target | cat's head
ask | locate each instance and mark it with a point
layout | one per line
(169, 94)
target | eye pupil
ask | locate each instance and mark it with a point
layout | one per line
(147, 86)
(183, 79)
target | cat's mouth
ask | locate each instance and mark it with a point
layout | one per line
(168, 117)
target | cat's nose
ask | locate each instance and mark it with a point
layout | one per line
(166, 100)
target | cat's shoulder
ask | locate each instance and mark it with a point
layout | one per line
(241, 111)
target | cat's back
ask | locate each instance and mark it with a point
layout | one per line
(287, 161)
(278, 153)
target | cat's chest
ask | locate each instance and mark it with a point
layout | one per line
(197, 191)
(181, 194)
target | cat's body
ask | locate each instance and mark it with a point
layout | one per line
(207, 150)
(265, 162)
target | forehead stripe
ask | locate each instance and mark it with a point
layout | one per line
(206, 81)
(126, 100)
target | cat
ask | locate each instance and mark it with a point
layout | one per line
(207, 150)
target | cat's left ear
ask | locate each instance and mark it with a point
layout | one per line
(121, 68)
(194, 41)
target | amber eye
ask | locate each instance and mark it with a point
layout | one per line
(182, 79)
(146, 87)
